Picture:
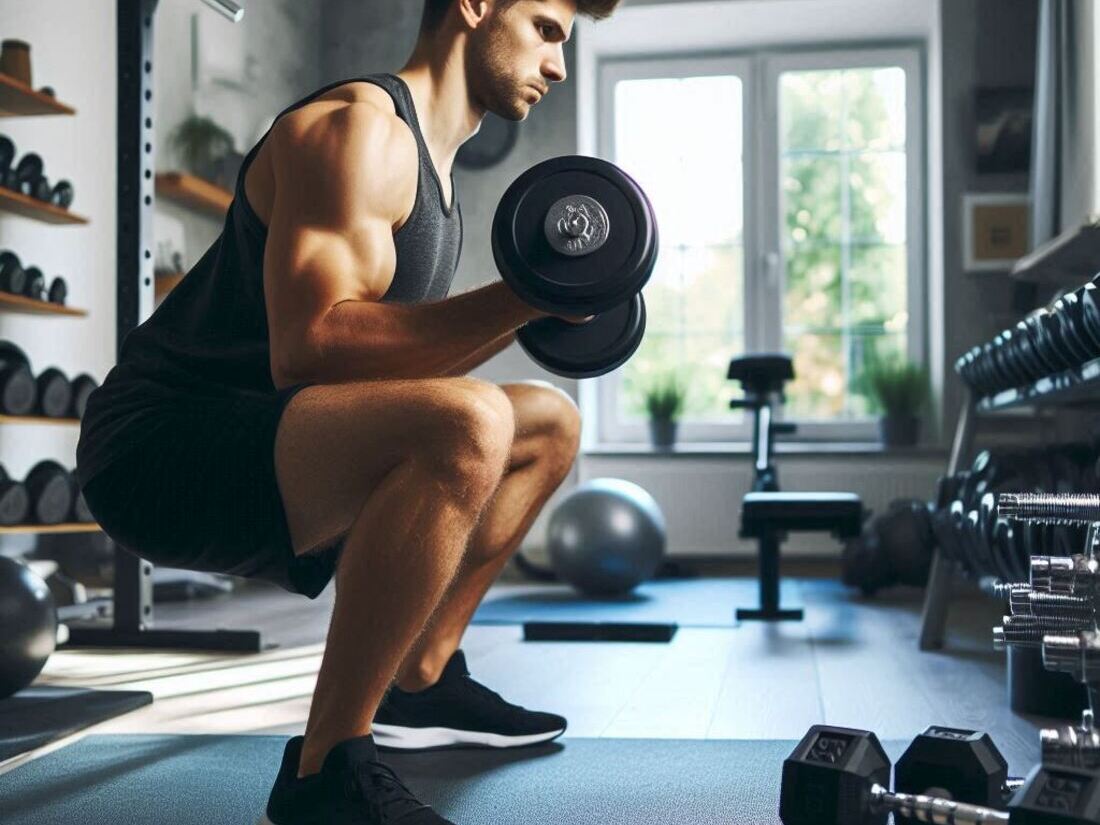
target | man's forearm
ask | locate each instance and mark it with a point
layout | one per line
(368, 340)
(482, 355)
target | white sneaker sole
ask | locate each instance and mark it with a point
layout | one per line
(397, 737)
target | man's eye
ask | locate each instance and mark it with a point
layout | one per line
(546, 31)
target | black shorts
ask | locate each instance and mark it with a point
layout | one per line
(195, 488)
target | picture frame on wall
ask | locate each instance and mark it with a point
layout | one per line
(996, 231)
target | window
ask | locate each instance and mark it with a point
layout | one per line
(789, 199)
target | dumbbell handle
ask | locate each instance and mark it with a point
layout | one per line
(1060, 508)
(930, 809)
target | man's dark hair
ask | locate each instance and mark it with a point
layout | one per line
(436, 10)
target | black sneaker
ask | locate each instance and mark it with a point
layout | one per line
(458, 712)
(353, 788)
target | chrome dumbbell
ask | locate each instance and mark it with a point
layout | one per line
(1072, 747)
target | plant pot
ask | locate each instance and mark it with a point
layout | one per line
(662, 432)
(899, 430)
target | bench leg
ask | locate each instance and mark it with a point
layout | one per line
(769, 610)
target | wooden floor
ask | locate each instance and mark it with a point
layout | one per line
(851, 662)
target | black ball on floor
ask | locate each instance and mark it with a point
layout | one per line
(29, 619)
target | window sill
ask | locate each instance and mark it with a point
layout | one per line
(738, 448)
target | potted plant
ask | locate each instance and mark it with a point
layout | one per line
(899, 389)
(206, 149)
(664, 401)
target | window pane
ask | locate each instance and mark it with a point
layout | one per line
(877, 184)
(694, 178)
(879, 285)
(812, 193)
(876, 107)
(809, 110)
(844, 233)
(813, 289)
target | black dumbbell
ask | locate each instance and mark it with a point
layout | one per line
(82, 387)
(27, 172)
(13, 278)
(958, 764)
(7, 156)
(62, 194)
(51, 490)
(840, 776)
(55, 393)
(15, 504)
(576, 236)
(18, 391)
(81, 514)
(36, 284)
(59, 291)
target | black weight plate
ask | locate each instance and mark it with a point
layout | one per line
(36, 284)
(12, 276)
(559, 283)
(55, 394)
(1090, 311)
(40, 189)
(1064, 310)
(1057, 347)
(1002, 349)
(83, 386)
(586, 350)
(1025, 353)
(62, 194)
(7, 153)
(28, 169)
(1058, 324)
(11, 354)
(1039, 345)
(51, 490)
(59, 291)
(15, 504)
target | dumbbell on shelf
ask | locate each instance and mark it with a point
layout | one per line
(13, 278)
(59, 291)
(1073, 746)
(18, 390)
(52, 491)
(82, 387)
(15, 503)
(842, 776)
(55, 394)
(576, 236)
(35, 286)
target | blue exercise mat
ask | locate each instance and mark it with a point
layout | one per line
(703, 602)
(225, 780)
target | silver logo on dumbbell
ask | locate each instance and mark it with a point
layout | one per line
(577, 225)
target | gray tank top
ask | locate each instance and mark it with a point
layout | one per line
(209, 338)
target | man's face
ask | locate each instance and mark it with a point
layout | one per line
(516, 54)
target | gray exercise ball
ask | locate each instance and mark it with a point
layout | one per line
(606, 537)
(28, 626)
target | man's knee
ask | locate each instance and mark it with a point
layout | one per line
(474, 432)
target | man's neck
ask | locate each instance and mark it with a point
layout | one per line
(439, 91)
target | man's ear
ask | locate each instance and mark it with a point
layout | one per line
(474, 12)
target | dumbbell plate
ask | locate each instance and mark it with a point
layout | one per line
(572, 284)
(586, 350)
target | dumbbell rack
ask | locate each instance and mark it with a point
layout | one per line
(1071, 388)
(19, 100)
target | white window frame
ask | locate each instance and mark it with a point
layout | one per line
(763, 263)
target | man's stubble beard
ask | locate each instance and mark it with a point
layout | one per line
(490, 80)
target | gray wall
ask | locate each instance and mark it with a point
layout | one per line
(986, 43)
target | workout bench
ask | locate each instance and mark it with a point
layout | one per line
(767, 515)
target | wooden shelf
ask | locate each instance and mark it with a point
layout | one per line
(18, 99)
(51, 528)
(194, 193)
(38, 419)
(20, 204)
(29, 306)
